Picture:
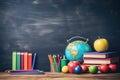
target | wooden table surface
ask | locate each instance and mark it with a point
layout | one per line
(60, 76)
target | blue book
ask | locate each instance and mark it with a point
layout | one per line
(100, 54)
(26, 72)
(33, 62)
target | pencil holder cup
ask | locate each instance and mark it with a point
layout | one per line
(54, 67)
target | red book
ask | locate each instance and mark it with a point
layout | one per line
(29, 67)
(101, 60)
(22, 61)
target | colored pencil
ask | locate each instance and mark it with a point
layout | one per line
(51, 63)
(55, 63)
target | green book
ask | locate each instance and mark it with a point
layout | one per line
(13, 60)
(18, 61)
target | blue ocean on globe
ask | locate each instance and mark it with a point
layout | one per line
(75, 50)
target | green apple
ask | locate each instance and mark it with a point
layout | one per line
(93, 69)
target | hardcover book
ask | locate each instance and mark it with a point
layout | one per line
(100, 54)
(101, 61)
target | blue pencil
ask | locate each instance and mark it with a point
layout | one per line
(34, 59)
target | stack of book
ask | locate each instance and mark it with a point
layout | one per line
(23, 61)
(97, 58)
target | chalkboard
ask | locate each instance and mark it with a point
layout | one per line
(43, 26)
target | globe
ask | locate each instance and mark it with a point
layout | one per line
(75, 50)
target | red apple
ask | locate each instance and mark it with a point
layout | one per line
(76, 62)
(72, 65)
(113, 67)
(84, 68)
(104, 68)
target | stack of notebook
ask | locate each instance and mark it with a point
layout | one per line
(97, 58)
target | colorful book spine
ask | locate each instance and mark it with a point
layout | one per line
(29, 61)
(25, 60)
(22, 60)
(100, 54)
(33, 63)
(101, 61)
(14, 60)
(18, 61)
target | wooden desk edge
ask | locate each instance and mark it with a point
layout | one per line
(61, 76)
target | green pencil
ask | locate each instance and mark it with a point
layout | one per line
(13, 60)
(55, 63)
